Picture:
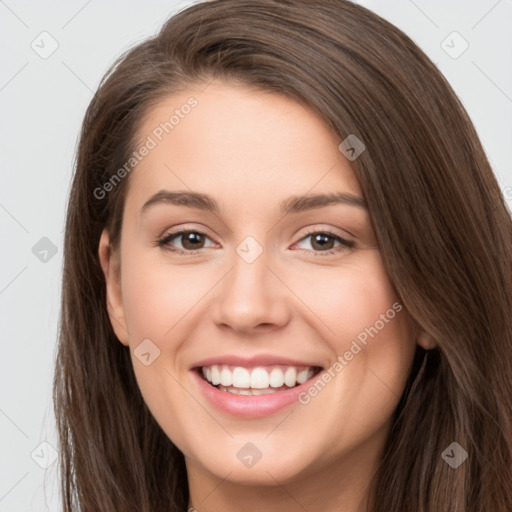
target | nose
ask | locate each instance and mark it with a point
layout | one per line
(252, 297)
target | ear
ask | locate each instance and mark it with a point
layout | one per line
(424, 340)
(110, 265)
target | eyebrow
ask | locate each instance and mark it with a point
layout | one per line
(293, 204)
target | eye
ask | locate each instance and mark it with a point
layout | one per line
(323, 242)
(192, 241)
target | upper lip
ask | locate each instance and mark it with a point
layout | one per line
(259, 360)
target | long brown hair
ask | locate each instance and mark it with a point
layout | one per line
(442, 225)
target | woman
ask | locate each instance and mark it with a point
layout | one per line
(287, 279)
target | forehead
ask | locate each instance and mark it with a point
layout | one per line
(239, 143)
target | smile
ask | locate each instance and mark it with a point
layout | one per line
(253, 392)
(259, 380)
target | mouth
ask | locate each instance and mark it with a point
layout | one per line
(258, 380)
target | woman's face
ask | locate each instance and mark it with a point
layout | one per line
(267, 286)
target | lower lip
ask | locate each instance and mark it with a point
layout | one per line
(251, 406)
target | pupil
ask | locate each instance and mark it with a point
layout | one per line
(318, 240)
(192, 238)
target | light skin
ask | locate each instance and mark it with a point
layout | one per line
(250, 151)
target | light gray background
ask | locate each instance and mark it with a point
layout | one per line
(42, 103)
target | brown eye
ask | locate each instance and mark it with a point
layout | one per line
(191, 241)
(323, 243)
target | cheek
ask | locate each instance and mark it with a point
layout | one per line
(158, 296)
(159, 302)
(349, 300)
(358, 313)
(369, 333)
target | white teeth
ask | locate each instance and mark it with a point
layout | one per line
(290, 377)
(260, 391)
(215, 374)
(257, 379)
(302, 376)
(226, 377)
(276, 379)
(241, 378)
(249, 392)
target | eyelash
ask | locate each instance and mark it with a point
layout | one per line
(345, 244)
